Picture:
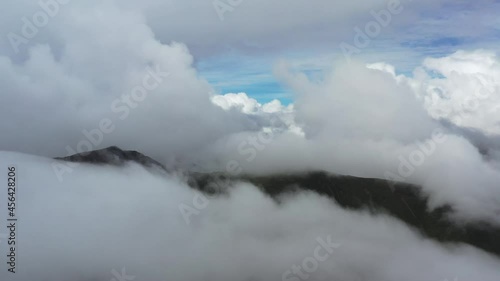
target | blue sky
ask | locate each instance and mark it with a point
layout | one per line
(237, 73)
(405, 43)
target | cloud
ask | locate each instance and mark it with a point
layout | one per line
(128, 218)
(366, 119)
(370, 122)
(57, 93)
(85, 67)
(463, 88)
(241, 100)
(255, 27)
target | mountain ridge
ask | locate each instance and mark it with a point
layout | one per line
(402, 201)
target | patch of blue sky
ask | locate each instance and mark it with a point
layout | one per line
(241, 74)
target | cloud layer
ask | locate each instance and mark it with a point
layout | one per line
(128, 218)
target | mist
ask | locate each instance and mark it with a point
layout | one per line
(129, 219)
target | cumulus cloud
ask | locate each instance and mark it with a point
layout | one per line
(56, 94)
(248, 105)
(282, 118)
(463, 88)
(367, 121)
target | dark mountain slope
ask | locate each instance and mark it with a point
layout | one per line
(402, 201)
(113, 156)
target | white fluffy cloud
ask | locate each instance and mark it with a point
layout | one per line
(370, 122)
(59, 92)
(249, 105)
(463, 88)
(282, 117)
